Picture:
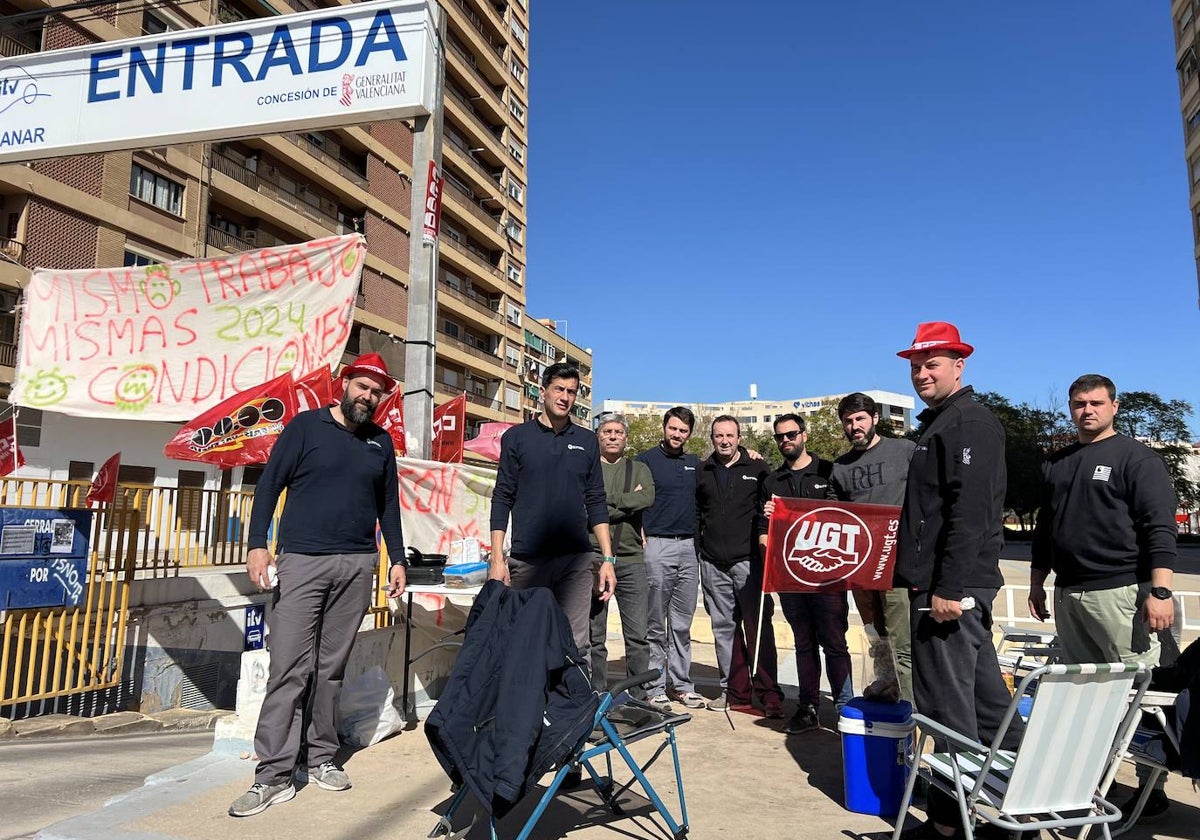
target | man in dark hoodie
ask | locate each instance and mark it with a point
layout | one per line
(731, 569)
(949, 553)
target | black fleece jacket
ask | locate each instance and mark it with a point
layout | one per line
(729, 509)
(951, 526)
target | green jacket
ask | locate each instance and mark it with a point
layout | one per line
(625, 509)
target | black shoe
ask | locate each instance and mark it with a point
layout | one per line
(926, 831)
(1156, 805)
(805, 720)
(573, 779)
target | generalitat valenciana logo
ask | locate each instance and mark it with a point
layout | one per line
(825, 546)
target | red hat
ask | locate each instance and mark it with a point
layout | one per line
(937, 335)
(370, 364)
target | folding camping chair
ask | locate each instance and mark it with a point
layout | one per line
(1079, 726)
(619, 721)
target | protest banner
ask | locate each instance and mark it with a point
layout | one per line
(10, 456)
(239, 431)
(104, 485)
(441, 503)
(487, 442)
(165, 342)
(815, 545)
(449, 429)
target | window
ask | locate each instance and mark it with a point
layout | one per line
(512, 398)
(513, 313)
(1193, 121)
(29, 427)
(132, 474)
(452, 280)
(516, 150)
(80, 470)
(516, 109)
(513, 356)
(153, 24)
(517, 69)
(518, 31)
(156, 189)
(450, 377)
(450, 328)
(12, 225)
(1185, 20)
(514, 230)
(516, 271)
(1195, 167)
(1187, 67)
(516, 190)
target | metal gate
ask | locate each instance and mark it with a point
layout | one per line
(55, 651)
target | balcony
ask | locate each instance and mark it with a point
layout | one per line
(490, 358)
(477, 24)
(11, 47)
(473, 257)
(13, 249)
(8, 355)
(228, 242)
(489, 131)
(476, 209)
(490, 176)
(476, 302)
(301, 203)
(329, 160)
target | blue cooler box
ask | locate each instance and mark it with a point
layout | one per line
(876, 739)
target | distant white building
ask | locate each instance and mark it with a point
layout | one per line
(760, 414)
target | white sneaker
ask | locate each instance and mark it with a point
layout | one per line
(692, 700)
(660, 702)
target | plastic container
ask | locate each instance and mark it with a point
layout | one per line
(466, 575)
(876, 741)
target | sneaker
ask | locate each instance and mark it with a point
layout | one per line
(691, 699)
(722, 704)
(1156, 805)
(805, 720)
(329, 776)
(773, 708)
(259, 798)
(660, 702)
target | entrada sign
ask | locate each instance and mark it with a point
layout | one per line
(338, 66)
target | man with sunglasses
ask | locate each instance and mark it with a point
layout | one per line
(817, 619)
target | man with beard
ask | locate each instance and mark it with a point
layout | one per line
(549, 481)
(874, 472)
(818, 619)
(339, 469)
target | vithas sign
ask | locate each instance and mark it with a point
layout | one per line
(339, 66)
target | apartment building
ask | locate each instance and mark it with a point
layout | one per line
(221, 198)
(759, 415)
(544, 346)
(1183, 15)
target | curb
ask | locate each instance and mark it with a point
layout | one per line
(117, 723)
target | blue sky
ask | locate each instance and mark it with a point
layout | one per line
(778, 192)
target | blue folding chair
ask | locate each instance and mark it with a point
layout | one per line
(618, 722)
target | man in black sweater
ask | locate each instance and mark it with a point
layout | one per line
(731, 568)
(549, 481)
(948, 555)
(1107, 528)
(819, 620)
(339, 469)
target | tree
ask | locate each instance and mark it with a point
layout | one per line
(646, 432)
(1162, 425)
(764, 444)
(825, 435)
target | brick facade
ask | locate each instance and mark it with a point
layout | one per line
(65, 239)
(83, 172)
(396, 136)
(387, 240)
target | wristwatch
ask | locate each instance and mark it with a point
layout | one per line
(612, 560)
(1161, 593)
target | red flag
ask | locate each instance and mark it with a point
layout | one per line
(314, 390)
(821, 546)
(10, 456)
(449, 429)
(487, 443)
(389, 415)
(104, 485)
(241, 430)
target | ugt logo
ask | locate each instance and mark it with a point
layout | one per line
(825, 546)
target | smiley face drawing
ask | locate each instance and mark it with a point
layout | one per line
(135, 387)
(46, 388)
(159, 287)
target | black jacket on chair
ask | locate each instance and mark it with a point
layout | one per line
(517, 701)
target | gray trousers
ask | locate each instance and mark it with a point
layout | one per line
(571, 579)
(728, 595)
(899, 634)
(319, 606)
(632, 597)
(673, 571)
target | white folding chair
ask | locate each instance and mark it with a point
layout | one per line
(1078, 727)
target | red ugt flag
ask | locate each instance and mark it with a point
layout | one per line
(314, 390)
(10, 456)
(241, 430)
(389, 415)
(814, 545)
(487, 443)
(449, 428)
(104, 485)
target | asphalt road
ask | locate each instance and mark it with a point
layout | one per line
(45, 780)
